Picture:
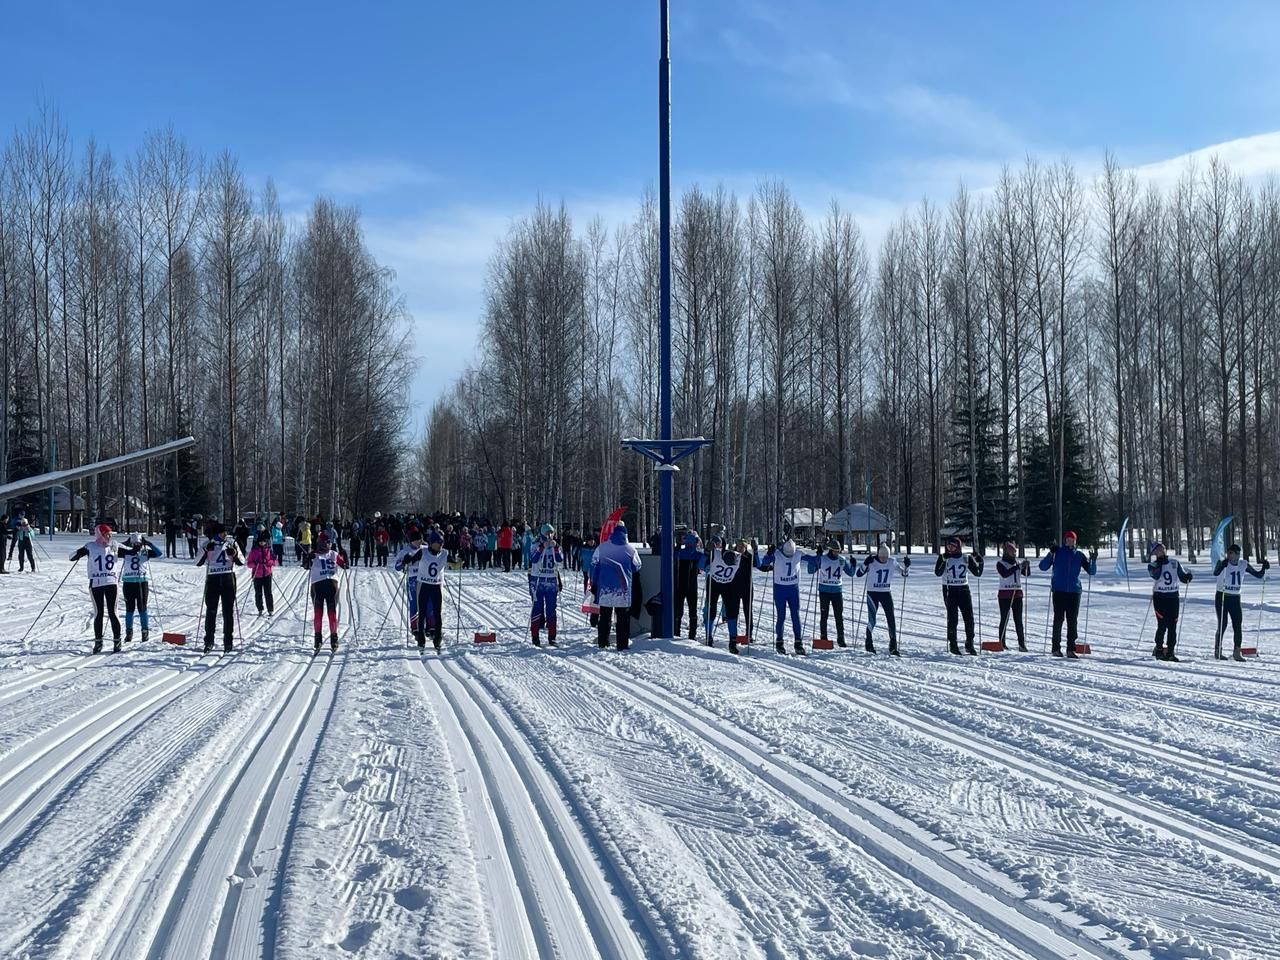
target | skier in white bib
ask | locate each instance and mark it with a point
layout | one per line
(1230, 572)
(101, 568)
(879, 571)
(136, 555)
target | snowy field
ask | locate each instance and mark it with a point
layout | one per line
(672, 801)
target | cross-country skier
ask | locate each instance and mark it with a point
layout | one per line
(1230, 572)
(277, 542)
(220, 558)
(728, 586)
(1068, 562)
(261, 561)
(101, 568)
(1168, 573)
(1011, 571)
(954, 568)
(135, 580)
(545, 558)
(22, 541)
(323, 563)
(784, 562)
(613, 565)
(831, 568)
(430, 565)
(406, 561)
(688, 562)
(879, 571)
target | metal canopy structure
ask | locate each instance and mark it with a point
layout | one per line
(665, 451)
(46, 480)
(859, 518)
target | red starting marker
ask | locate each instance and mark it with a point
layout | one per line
(818, 643)
(1083, 648)
(1248, 651)
(992, 646)
(742, 638)
(177, 639)
(486, 636)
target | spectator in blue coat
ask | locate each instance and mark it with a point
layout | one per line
(613, 565)
(1067, 562)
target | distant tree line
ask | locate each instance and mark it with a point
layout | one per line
(1056, 353)
(151, 297)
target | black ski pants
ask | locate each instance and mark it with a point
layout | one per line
(1227, 606)
(1012, 605)
(959, 604)
(1166, 607)
(219, 588)
(687, 599)
(623, 617)
(829, 603)
(104, 598)
(262, 594)
(883, 599)
(1066, 606)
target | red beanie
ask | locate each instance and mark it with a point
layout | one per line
(1069, 535)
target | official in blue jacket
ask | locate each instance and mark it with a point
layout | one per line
(1067, 562)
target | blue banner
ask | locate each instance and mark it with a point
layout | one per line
(1122, 559)
(1219, 548)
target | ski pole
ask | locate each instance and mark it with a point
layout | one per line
(457, 630)
(978, 578)
(1088, 594)
(1143, 632)
(46, 605)
(396, 598)
(902, 611)
(866, 575)
(1257, 630)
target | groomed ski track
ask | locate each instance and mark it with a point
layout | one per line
(673, 801)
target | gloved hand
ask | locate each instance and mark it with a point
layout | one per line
(1053, 548)
(1266, 564)
(906, 561)
(1093, 554)
(1026, 568)
(1190, 576)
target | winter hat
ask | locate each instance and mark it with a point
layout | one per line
(882, 552)
(1234, 548)
(415, 533)
(1009, 547)
(691, 538)
(788, 547)
(1069, 535)
(133, 539)
(1157, 546)
(955, 545)
(434, 538)
(322, 540)
(547, 530)
(833, 545)
(619, 534)
(102, 533)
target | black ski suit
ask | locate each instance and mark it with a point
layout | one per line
(958, 600)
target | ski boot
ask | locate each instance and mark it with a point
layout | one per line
(1237, 656)
(602, 643)
(551, 641)
(1170, 656)
(537, 640)
(893, 650)
(1022, 647)
(228, 646)
(422, 641)
(145, 634)
(1071, 654)
(870, 646)
(840, 642)
(798, 649)
(780, 647)
(1219, 655)
(208, 646)
(97, 645)
(970, 649)
(733, 646)
(333, 642)
(954, 648)
(623, 644)
(128, 636)
(115, 645)
(318, 642)
(1158, 652)
(1057, 651)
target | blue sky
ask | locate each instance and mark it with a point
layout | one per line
(444, 122)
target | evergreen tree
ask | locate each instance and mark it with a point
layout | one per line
(1081, 506)
(190, 495)
(993, 497)
(26, 452)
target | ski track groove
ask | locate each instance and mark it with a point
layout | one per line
(556, 849)
(1143, 812)
(1165, 753)
(992, 901)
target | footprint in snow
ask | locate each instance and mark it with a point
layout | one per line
(351, 786)
(359, 935)
(412, 898)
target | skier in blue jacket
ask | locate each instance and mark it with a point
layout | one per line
(1067, 562)
(784, 561)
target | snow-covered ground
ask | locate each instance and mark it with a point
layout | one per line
(672, 801)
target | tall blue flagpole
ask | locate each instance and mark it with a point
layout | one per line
(665, 483)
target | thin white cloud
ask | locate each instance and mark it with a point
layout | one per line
(1251, 158)
(370, 177)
